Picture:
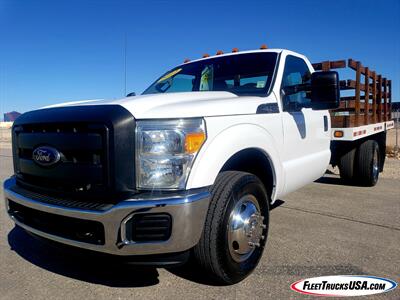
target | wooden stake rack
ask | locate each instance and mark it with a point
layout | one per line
(372, 99)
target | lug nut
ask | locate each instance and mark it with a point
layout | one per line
(251, 244)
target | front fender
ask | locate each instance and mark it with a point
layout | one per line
(220, 147)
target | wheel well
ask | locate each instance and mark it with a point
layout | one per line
(256, 162)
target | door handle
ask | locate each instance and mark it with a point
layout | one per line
(325, 123)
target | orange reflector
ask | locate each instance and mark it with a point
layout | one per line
(263, 47)
(219, 52)
(338, 134)
(234, 50)
(186, 60)
(194, 141)
(206, 55)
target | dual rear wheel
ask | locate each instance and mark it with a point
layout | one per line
(361, 165)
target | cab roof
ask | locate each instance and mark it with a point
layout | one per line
(236, 53)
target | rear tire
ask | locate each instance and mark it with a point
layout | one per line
(368, 163)
(230, 250)
(346, 165)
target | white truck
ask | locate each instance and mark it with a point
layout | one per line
(192, 166)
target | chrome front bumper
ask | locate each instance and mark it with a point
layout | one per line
(188, 212)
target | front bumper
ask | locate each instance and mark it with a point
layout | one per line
(188, 211)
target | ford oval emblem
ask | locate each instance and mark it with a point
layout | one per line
(46, 156)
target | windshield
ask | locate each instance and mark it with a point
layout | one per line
(241, 74)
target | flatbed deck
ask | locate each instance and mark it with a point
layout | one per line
(356, 133)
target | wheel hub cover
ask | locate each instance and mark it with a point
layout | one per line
(245, 228)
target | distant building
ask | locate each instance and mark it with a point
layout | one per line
(11, 116)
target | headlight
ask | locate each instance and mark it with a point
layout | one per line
(165, 151)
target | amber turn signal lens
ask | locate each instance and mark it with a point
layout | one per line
(338, 133)
(194, 141)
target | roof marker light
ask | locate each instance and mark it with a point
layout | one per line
(206, 55)
(186, 60)
(219, 52)
(263, 47)
(234, 50)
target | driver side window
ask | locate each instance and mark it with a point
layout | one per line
(296, 72)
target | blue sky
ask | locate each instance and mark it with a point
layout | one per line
(56, 51)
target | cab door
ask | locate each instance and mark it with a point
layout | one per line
(306, 151)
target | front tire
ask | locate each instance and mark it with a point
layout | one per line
(235, 229)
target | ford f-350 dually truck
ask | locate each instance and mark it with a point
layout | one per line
(193, 165)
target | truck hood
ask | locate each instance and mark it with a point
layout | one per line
(182, 105)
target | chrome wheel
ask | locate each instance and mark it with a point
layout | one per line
(245, 228)
(375, 165)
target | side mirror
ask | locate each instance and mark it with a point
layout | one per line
(131, 94)
(325, 90)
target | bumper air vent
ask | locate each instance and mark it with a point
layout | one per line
(149, 228)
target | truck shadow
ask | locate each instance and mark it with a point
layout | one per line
(193, 272)
(277, 203)
(85, 267)
(80, 266)
(334, 180)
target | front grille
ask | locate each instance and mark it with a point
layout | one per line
(83, 149)
(96, 146)
(149, 227)
(86, 231)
